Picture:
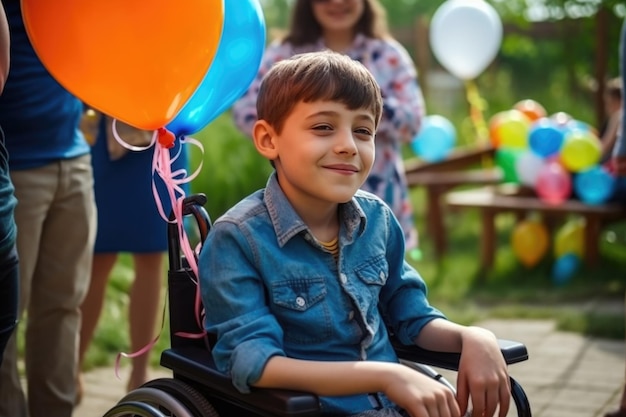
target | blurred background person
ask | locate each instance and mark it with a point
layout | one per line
(358, 28)
(9, 272)
(613, 102)
(50, 167)
(619, 166)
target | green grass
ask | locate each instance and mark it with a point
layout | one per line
(232, 169)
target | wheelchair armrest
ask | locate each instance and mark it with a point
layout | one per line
(195, 366)
(512, 351)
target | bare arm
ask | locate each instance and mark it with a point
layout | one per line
(610, 135)
(482, 373)
(418, 394)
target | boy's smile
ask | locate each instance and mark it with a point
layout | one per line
(324, 152)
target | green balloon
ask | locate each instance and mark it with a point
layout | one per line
(506, 158)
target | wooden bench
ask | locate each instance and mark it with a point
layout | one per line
(437, 178)
(492, 201)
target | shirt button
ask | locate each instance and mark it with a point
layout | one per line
(351, 315)
(343, 278)
(300, 302)
(382, 275)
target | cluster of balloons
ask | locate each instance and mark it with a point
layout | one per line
(531, 242)
(170, 64)
(435, 139)
(557, 155)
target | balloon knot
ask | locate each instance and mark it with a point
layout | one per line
(166, 138)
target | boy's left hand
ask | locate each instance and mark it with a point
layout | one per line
(483, 375)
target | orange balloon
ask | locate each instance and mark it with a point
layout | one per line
(138, 62)
(532, 109)
(530, 242)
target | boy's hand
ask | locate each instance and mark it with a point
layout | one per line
(419, 395)
(483, 375)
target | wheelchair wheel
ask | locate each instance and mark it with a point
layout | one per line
(194, 401)
(133, 409)
(167, 404)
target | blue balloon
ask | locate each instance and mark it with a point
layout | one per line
(235, 65)
(564, 268)
(594, 185)
(545, 137)
(435, 139)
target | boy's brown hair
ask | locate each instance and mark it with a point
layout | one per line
(316, 76)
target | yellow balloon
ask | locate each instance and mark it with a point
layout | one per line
(580, 150)
(530, 242)
(570, 238)
(510, 129)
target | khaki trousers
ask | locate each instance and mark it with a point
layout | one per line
(56, 221)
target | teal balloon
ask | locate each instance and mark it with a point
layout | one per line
(435, 139)
(594, 185)
(235, 65)
(564, 268)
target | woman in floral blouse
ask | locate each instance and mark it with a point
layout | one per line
(358, 29)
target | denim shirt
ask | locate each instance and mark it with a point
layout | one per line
(269, 288)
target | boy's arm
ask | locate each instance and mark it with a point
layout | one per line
(411, 390)
(482, 372)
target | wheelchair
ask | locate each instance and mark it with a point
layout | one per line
(198, 389)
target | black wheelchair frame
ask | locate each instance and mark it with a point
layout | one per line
(198, 389)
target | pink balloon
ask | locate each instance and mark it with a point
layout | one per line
(553, 184)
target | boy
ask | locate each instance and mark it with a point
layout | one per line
(301, 280)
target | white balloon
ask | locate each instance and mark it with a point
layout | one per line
(527, 167)
(465, 36)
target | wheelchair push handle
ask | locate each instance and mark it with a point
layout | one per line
(192, 205)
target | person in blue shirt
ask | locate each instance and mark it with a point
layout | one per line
(9, 272)
(50, 168)
(302, 280)
(619, 166)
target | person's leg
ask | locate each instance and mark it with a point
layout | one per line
(60, 283)
(145, 300)
(91, 308)
(9, 296)
(34, 190)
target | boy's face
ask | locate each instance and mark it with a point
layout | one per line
(324, 152)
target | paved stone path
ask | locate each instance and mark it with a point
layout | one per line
(566, 375)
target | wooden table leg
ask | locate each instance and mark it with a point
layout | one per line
(435, 219)
(592, 240)
(488, 241)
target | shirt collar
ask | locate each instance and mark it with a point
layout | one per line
(287, 223)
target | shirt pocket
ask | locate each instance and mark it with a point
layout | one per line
(301, 307)
(373, 275)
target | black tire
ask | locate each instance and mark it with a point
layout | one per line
(164, 402)
(195, 402)
(133, 409)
